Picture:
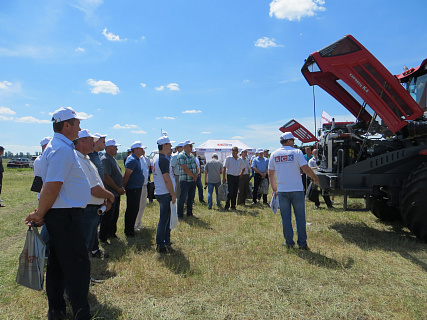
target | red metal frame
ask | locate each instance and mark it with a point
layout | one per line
(349, 61)
(299, 131)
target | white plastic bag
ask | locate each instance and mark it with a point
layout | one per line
(31, 261)
(222, 192)
(174, 216)
(274, 204)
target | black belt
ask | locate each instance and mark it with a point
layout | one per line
(93, 205)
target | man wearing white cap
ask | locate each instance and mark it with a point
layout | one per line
(113, 181)
(199, 184)
(175, 168)
(94, 156)
(37, 186)
(187, 179)
(234, 168)
(260, 166)
(65, 193)
(244, 178)
(284, 171)
(145, 165)
(99, 195)
(213, 171)
(133, 180)
(164, 193)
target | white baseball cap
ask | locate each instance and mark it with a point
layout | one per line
(287, 136)
(86, 133)
(63, 114)
(111, 142)
(259, 150)
(98, 135)
(215, 155)
(45, 140)
(137, 144)
(163, 140)
(187, 142)
(181, 144)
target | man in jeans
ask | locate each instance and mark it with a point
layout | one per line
(213, 170)
(164, 193)
(133, 180)
(284, 167)
(187, 179)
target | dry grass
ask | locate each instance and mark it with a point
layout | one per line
(231, 265)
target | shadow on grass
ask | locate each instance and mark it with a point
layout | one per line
(176, 262)
(194, 221)
(103, 310)
(397, 240)
(320, 260)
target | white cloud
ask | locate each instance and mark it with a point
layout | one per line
(30, 119)
(295, 9)
(5, 84)
(246, 81)
(167, 118)
(161, 88)
(3, 118)
(205, 132)
(139, 132)
(111, 37)
(237, 138)
(80, 49)
(8, 111)
(126, 126)
(143, 85)
(103, 86)
(192, 111)
(87, 6)
(266, 42)
(84, 115)
(173, 86)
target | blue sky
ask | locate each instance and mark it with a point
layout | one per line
(197, 69)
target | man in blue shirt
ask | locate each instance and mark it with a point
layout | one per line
(133, 181)
(260, 166)
(65, 193)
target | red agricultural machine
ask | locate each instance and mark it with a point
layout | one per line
(382, 156)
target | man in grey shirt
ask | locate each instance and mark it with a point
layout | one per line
(213, 170)
(113, 181)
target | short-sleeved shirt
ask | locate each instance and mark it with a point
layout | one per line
(136, 179)
(287, 162)
(145, 168)
(59, 164)
(174, 164)
(312, 163)
(92, 175)
(260, 163)
(112, 169)
(213, 168)
(190, 162)
(307, 158)
(247, 166)
(96, 160)
(161, 166)
(234, 166)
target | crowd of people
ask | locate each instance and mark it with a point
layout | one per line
(79, 191)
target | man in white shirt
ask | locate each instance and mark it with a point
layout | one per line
(99, 195)
(145, 165)
(244, 178)
(284, 172)
(175, 168)
(234, 168)
(65, 193)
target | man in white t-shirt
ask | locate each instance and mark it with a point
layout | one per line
(285, 178)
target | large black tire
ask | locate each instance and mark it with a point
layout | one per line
(414, 202)
(382, 211)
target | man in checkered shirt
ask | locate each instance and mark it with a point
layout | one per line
(188, 174)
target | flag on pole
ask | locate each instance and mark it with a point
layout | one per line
(326, 118)
(164, 133)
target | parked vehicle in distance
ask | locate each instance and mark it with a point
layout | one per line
(19, 163)
(33, 158)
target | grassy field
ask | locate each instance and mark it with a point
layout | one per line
(232, 265)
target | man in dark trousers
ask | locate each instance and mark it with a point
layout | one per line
(65, 193)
